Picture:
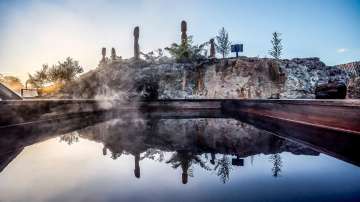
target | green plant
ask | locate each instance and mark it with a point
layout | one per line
(186, 51)
(40, 78)
(223, 43)
(64, 71)
(277, 47)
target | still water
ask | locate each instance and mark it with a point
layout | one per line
(167, 160)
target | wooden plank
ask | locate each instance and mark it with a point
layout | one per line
(341, 115)
(16, 112)
(343, 145)
(7, 94)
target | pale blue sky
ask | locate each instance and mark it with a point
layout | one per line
(37, 32)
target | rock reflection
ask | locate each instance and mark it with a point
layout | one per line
(192, 145)
(211, 145)
(191, 141)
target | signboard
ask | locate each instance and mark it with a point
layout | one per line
(236, 48)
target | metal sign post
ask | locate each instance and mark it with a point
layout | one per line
(236, 48)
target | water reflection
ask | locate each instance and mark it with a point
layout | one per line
(182, 154)
(223, 168)
(277, 164)
(186, 160)
(193, 142)
(70, 138)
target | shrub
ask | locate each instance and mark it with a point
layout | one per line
(187, 52)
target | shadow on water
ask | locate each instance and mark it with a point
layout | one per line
(215, 145)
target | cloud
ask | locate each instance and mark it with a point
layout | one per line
(342, 50)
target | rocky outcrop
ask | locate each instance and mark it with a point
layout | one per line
(331, 91)
(352, 69)
(213, 78)
(354, 88)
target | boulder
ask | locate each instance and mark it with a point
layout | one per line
(332, 90)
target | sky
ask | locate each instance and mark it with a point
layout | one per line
(34, 32)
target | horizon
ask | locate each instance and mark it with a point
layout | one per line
(45, 32)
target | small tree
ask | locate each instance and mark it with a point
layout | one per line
(65, 71)
(277, 164)
(223, 168)
(223, 43)
(56, 76)
(40, 78)
(277, 47)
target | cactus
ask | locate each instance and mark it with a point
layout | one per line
(212, 48)
(136, 43)
(183, 32)
(113, 54)
(103, 53)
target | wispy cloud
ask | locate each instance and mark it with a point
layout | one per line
(342, 50)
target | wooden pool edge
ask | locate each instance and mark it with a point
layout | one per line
(341, 115)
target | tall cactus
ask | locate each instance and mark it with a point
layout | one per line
(113, 54)
(136, 43)
(212, 48)
(183, 32)
(103, 53)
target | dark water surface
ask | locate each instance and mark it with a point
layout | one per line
(91, 159)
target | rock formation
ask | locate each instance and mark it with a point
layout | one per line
(226, 78)
(352, 69)
(354, 88)
(331, 91)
